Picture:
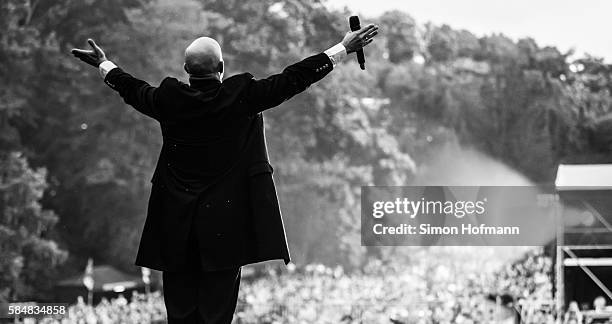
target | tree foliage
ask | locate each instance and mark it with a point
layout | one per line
(28, 254)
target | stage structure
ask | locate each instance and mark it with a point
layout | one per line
(583, 263)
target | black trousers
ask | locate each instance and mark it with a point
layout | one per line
(197, 296)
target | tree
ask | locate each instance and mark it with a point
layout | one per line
(401, 36)
(29, 255)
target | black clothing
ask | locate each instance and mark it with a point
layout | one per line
(213, 173)
(196, 296)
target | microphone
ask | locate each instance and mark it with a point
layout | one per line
(356, 25)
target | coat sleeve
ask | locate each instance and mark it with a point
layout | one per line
(135, 92)
(272, 91)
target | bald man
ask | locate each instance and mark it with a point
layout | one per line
(213, 205)
(203, 57)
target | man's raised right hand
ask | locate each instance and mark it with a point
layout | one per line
(355, 40)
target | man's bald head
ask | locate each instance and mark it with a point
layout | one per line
(203, 56)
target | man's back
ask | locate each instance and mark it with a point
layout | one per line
(213, 196)
(204, 124)
(214, 155)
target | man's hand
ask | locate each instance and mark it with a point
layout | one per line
(357, 39)
(92, 57)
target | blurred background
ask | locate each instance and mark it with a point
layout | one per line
(438, 105)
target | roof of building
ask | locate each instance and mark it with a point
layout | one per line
(582, 177)
(106, 278)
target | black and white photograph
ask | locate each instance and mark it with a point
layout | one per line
(307, 162)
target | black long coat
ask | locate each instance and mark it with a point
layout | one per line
(213, 171)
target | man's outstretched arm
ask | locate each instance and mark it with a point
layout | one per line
(272, 91)
(136, 93)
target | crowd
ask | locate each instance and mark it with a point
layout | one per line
(429, 290)
(599, 313)
(140, 309)
(528, 281)
(379, 294)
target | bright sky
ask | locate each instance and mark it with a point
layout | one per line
(584, 25)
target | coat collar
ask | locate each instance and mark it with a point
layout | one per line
(202, 82)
